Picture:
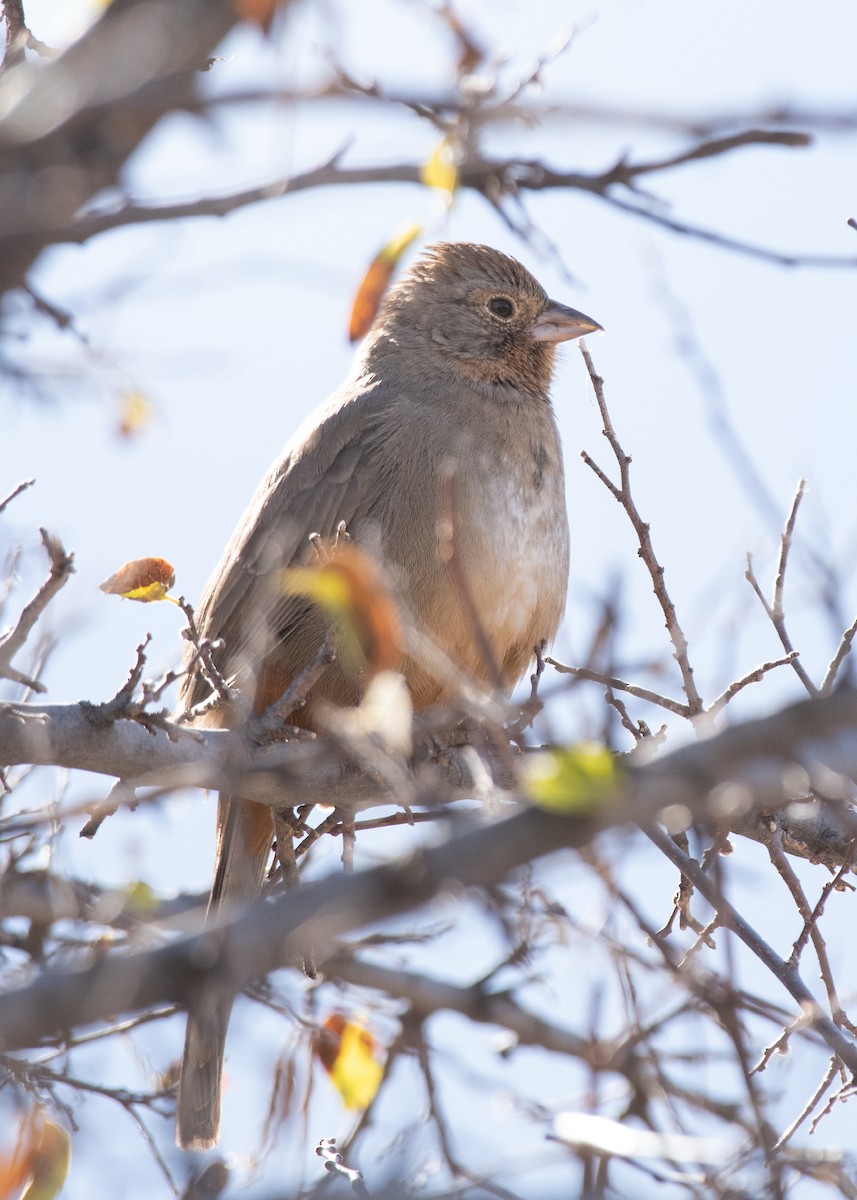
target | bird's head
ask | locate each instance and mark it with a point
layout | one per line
(482, 311)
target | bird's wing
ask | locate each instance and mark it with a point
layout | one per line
(320, 479)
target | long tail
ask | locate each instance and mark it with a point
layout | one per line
(244, 834)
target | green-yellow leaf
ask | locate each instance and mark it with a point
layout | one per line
(139, 897)
(574, 779)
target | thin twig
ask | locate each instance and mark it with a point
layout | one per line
(776, 608)
(622, 493)
(62, 568)
(16, 491)
(842, 652)
(784, 972)
(620, 685)
(754, 676)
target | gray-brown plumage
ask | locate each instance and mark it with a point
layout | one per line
(455, 372)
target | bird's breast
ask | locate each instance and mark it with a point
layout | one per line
(516, 540)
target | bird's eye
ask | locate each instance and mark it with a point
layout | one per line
(501, 307)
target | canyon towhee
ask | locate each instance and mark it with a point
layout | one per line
(454, 375)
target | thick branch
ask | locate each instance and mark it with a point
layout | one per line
(271, 935)
(724, 780)
(83, 113)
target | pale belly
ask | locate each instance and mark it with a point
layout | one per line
(524, 537)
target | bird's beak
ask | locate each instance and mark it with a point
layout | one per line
(557, 323)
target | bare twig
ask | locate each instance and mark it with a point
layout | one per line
(812, 1103)
(775, 608)
(16, 491)
(620, 685)
(784, 972)
(270, 723)
(62, 568)
(494, 179)
(842, 652)
(754, 676)
(622, 493)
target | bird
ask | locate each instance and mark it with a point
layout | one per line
(454, 376)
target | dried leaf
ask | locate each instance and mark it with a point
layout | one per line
(144, 579)
(348, 585)
(375, 282)
(440, 169)
(348, 1052)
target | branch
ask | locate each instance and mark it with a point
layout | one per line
(274, 934)
(776, 608)
(758, 761)
(62, 568)
(764, 763)
(86, 112)
(491, 178)
(646, 551)
(16, 491)
(785, 973)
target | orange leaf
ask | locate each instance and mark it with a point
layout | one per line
(376, 281)
(144, 579)
(49, 1160)
(348, 584)
(260, 12)
(41, 1158)
(347, 1051)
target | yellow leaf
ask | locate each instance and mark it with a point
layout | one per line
(575, 779)
(143, 579)
(440, 169)
(48, 1160)
(375, 282)
(135, 413)
(347, 1051)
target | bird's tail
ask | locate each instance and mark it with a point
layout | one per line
(243, 843)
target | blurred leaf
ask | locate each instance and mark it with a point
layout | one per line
(375, 282)
(347, 1051)
(139, 897)
(135, 413)
(258, 12)
(14, 1171)
(47, 1156)
(349, 586)
(440, 170)
(572, 780)
(144, 579)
